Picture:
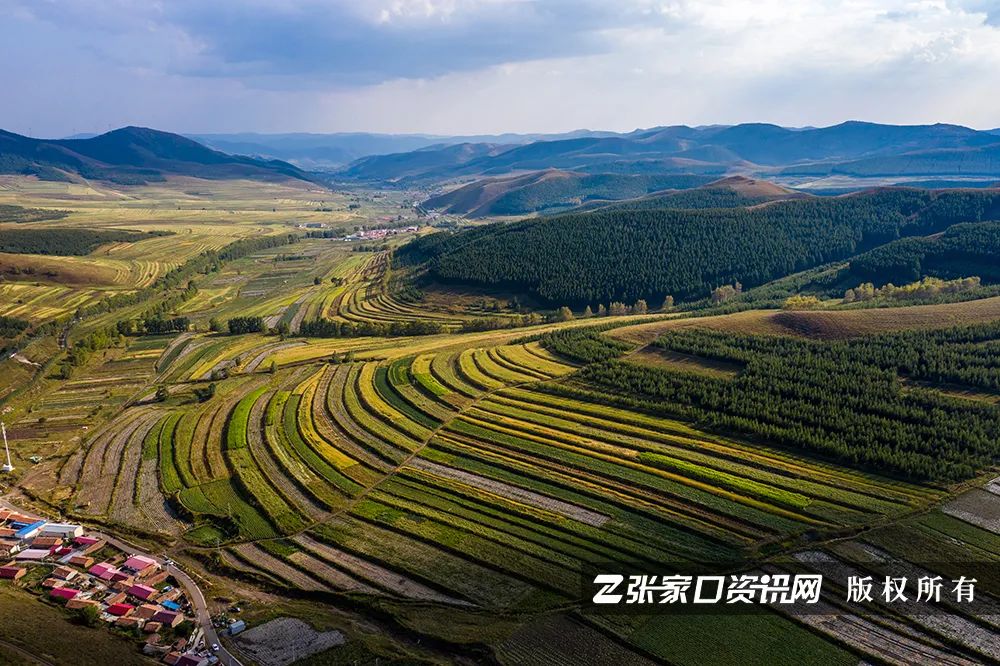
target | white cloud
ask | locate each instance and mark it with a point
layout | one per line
(463, 66)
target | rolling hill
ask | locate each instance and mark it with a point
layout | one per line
(419, 163)
(749, 148)
(550, 190)
(624, 255)
(728, 192)
(131, 155)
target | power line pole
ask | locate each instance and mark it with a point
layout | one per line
(8, 467)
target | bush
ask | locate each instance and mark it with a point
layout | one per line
(243, 325)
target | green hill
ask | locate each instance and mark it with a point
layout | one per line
(963, 250)
(626, 255)
(552, 189)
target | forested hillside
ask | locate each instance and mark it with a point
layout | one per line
(626, 255)
(841, 400)
(963, 250)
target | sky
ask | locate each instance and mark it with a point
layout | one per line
(455, 67)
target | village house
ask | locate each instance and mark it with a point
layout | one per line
(119, 609)
(143, 592)
(82, 561)
(32, 555)
(63, 593)
(130, 622)
(62, 530)
(76, 603)
(191, 659)
(141, 565)
(147, 611)
(49, 543)
(12, 572)
(168, 618)
(64, 573)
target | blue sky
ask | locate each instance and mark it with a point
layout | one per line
(476, 66)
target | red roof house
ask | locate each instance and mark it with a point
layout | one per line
(168, 618)
(12, 572)
(104, 571)
(142, 591)
(82, 561)
(120, 610)
(63, 593)
(140, 563)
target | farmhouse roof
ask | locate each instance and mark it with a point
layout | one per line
(11, 572)
(120, 609)
(63, 593)
(142, 591)
(139, 563)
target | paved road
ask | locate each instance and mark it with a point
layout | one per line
(191, 590)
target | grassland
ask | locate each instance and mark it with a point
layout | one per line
(828, 324)
(45, 632)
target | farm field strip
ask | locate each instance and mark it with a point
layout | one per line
(102, 462)
(122, 505)
(340, 432)
(655, 485)
(373, 576)
(574, 537)
(698, 458)
(257, 559)
(274, 471)
(279, 509)
(335, 467)
(541, 399)
(511, 492)
(582, 490)
(394, 385)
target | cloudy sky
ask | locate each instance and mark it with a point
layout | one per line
(477, 66)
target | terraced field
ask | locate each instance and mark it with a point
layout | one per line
(39, 303)
(455, 481)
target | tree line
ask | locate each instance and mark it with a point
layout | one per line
(67, 242)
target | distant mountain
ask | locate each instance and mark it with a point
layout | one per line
(131, 155)
(749, 148)
(416, 164)
(550, 190)
(324, 151)
(977, 161)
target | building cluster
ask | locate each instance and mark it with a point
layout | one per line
(82, 571)
(379, 234)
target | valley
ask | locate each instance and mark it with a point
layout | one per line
(333, 426)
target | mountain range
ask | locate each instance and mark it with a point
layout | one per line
(132, 155)
(850, 149)
(327, 151)
(606, 165)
